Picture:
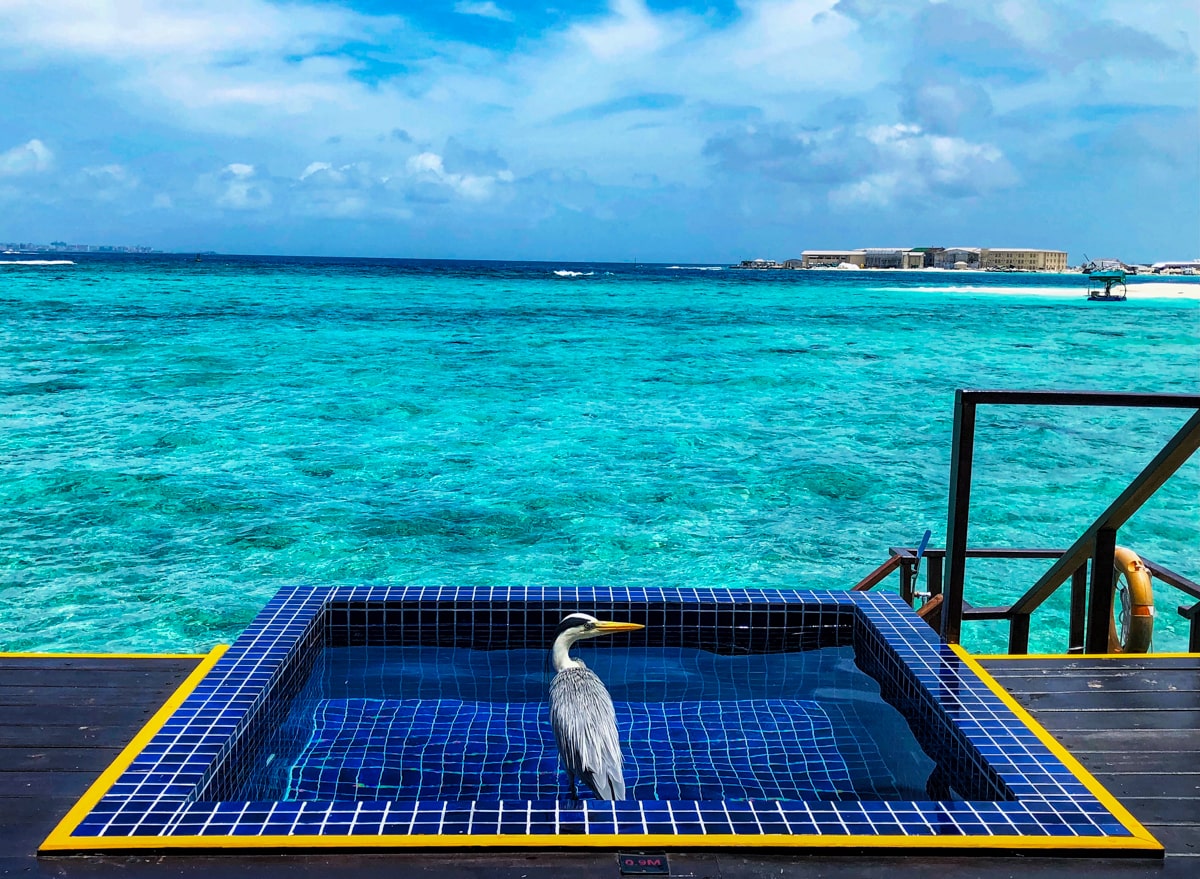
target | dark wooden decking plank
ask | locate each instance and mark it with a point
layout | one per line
(98, 714)
(1132, 720)
(87, 680)
(85, 735)
(115, 664)
(1008, 665)
(1179, 838)
(1080, 741)
(1105, 700)
(46, 783)
(42, 692)
(1162, 810)
(1184, 786)
(75, 713)
(1137, 759)
(1174, 680)
(56, 759)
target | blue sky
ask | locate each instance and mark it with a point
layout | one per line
(602, 129)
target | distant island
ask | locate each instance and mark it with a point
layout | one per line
(1005, 259)
(988, 259)
(64, 247)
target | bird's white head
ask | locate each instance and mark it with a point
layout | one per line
(577, 627)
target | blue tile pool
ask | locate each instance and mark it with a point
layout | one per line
(359, 717)
(435, 723)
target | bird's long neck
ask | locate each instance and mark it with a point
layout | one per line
(560, 653)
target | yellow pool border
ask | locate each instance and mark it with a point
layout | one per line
(1099, 846)
(60, 836)
(1070, 657)
(61, 841)
(49, 655)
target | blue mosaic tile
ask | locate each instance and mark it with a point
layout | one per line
(184, 781)
(412, 750)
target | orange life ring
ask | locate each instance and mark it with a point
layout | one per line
(1132, 628)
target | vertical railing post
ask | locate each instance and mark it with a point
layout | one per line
(1194, 634)
(906, 581)
(961, 455)
(1078, 610)
(1018, 635)
(1100, 601)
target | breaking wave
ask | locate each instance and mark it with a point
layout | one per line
(565, 273)
(37, 262)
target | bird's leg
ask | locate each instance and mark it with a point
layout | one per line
(574, 793)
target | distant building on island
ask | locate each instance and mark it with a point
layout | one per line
(64, 247)
(997, 259)
(893, 258)
(820, 259)
(864, 258)
(1023, 259)
(956, 258)
(1185, 267)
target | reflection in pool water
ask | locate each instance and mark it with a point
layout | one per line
(428, 723)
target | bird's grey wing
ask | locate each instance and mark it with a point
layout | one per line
(585, 728)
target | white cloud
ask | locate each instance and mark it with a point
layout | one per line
(108, 182)
(111, 173)
(324, 174)
(231, 69)
(430, 168)
(631, 30)
(915, 164)
(238, 187)
(125, 30)
(28, 158)
(313, 168)
(862, 164)
(486, 9)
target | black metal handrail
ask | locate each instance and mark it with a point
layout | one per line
(1089, 628)
(902, 559)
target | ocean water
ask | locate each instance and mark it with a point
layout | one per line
(181, 438)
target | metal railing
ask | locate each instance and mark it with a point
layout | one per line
(1091, 598)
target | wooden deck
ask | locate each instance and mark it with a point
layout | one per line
(1134, 722)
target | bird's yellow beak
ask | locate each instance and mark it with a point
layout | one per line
(608, 628)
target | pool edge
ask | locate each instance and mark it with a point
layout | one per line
(1142, 844)
(1013, 845)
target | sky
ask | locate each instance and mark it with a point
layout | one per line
(602, 130)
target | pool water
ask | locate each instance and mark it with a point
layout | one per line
(450, 724)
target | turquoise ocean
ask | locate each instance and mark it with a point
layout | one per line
(181, 437)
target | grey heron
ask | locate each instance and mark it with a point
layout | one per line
(581, 711)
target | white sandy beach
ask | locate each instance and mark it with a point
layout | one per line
(1165, 289)
(1176, 289)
